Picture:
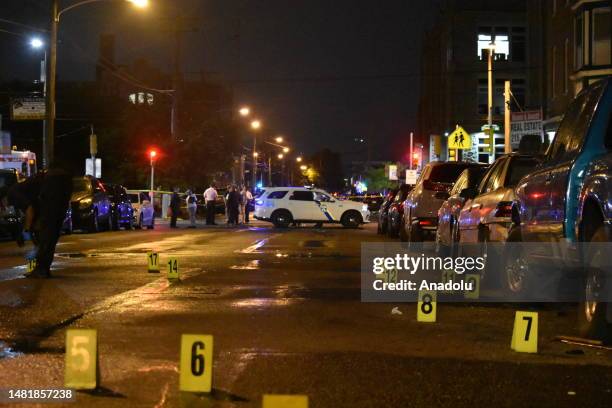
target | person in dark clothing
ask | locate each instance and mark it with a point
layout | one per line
(44, 199)
(175, 208)
(233, 206)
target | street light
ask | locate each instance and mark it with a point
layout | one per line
(280, 156)
(245, 111)
(279, 139)
(56, 14)
(298, 159)
(36, 43)
(303, 167)
(286, 150)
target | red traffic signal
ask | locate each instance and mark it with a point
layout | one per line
(152, 154)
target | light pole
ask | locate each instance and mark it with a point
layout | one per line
(152, 157)
(490, 104)
(56, 14)
(255, 126)
(38, 44)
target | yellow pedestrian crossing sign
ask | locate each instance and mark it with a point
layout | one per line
(459, 139)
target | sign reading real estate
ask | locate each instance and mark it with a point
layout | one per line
(524, 123)
(28, 109)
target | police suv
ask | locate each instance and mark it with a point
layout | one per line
(284, 206)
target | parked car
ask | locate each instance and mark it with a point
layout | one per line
(395, 213)
(447, 234)
(568, 199)
(90, 206)
(286, 205)
(486, 214)
(122, 212)
(422, 204)
(10, 219)
(383, 213)
(144, 213)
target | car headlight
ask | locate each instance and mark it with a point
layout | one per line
(364, 208)
(85, 203)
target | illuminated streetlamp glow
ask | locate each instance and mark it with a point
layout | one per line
(299, 159)
(303, 168)
(139, 3)
(255, 154)
(286, 150)
(256, 124)
(36, 43)
(280, 156)
(245, 111)
(279, 139)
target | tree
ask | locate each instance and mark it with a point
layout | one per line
(328, 167)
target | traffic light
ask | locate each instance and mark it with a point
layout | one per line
(152, 154)
(416, 160)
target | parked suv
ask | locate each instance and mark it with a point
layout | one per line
(286, 205)
(422, 204)
(383, 213)
(10, 219)
(122, 213)
(89, 205)
(567, 199)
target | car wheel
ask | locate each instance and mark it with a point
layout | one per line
(592, 320)
(514, 271)
(391, 227)
(140, 222)
(441, 249)
(351, 219)
(114, 222)
(402, 232)
(281, 218)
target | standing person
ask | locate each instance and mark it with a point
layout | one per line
(44, 199)
(175, 207)
(233, 206)
(247, 198)
(192, 207)
(210, 199)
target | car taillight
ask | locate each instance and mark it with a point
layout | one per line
(504, 209)
(426, 223)
(433, 186)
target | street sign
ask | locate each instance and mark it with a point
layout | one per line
(89, 170)
(459, 139)
(28, 109)
(411, 177)
(524, 123)
(393, 172)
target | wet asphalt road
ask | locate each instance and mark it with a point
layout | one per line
(285, 310)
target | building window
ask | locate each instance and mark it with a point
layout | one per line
(578, 42)
(554, 72)
(141, 98)
(566, 67)
(510, 44)
(601, 36)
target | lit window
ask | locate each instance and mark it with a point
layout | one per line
(142, 98)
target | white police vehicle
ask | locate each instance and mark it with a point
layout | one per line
(286, 205)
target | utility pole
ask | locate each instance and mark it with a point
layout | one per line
(490, 104)
(411, 149)
(270, 171)
(48, 145)
(507, 114)
(254, 171)
(93, 151)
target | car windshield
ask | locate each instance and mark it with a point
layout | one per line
(446, 173)
(81, 185)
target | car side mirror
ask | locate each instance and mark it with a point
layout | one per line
(442, 195)
(468, 193)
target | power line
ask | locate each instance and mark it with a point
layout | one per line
(41, 30)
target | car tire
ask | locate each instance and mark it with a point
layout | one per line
(392, 231)
(351, 219)
(70, 228)
(114, 222)
(514, 270)
(402, 233)
(140, 221)
(592, 321)
(281, 218)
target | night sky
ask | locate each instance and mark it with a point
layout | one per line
(321, 72)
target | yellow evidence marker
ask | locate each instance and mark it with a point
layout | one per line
(81, 371)
(153, 262)
(173, 270)
(525, 333)
(284, 401)
(426, 307)
(196, 363)
(31, 265)
(475, 281)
